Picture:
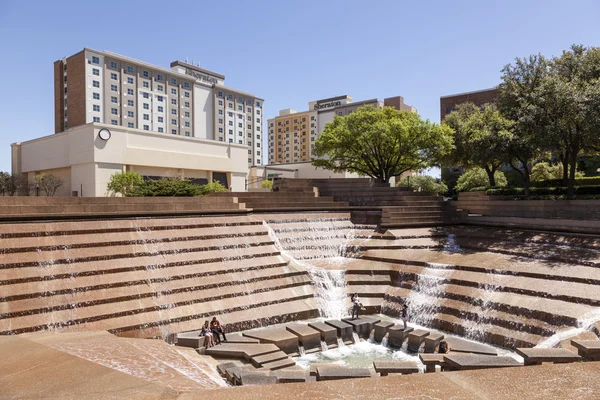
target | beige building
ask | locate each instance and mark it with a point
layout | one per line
(185, 100)
(85, 157)
(292, 134)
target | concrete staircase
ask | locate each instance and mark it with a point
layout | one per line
(283, 201)
(146, 277)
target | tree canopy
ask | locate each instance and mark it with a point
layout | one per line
(381, 143)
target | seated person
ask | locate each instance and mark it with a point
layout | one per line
(444, 348)
(217, 328)
(208, 336)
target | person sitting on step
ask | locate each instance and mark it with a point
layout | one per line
(444, 348)
(208, 336)
(217, 330)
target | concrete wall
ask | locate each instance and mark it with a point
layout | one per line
(302, 170)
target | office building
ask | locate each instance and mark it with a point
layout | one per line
(292, 134)
(477, 97)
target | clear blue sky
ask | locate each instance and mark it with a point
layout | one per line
(288, 52)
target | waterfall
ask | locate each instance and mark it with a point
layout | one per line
(324, 346)
(385, 340)
(421, 309)
(301, 351)
(355, 337)
(451, 245)
(584, 323)
(340, 342)
(372, 336)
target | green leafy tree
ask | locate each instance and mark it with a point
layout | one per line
(545, 171)
(124, 183)
(381, 143)
(423, 184)
(478, 178)
(481, 136)
(268, 184)
(5, 183)
(212, 187)
(49, 183)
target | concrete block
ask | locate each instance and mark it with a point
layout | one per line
(328, 332)
(344, 330)
(397, 335)
(381, 329)
(415, 339)
(535, 356)
(337, 372)
(308, 337)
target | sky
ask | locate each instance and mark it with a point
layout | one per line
(288, 52)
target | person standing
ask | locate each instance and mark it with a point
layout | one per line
(404, 314)
(355, 305)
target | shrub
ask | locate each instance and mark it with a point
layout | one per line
(167, 188)
(124, 183)
(583, 181)
(212, 187)
(268, 184)
(477, 178)
(49, 183)
(423, 184)
(545, 171)
(545, 191)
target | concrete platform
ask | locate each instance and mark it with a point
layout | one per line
(221, 368)
(190, 339)
(381, 329)
(458, 345)
(257, 379)
(308, 337)
(280, 364)
(462, 362)
(336, 372)
(362, 325)
(280, 337)
(432, 360)
(259, 361)
(314, 366)
(432, 341)
(589, 350)
(537, 356)
(415, 339)
(328, 332)
(395, 367)
(238, 338)
(398, 335)
(344, 330)
(285, 376)
(241, 350)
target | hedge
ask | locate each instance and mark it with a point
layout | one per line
(544, 191)
(585, 181)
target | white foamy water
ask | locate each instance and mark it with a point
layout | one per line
(584, 323)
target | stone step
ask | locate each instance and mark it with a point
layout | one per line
(316, 217)
(261, 360)
(275, 365)
(367, 279)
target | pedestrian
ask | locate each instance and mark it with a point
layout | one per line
(444, 348)
(404, 314)
(217, 330)
(355, 305)
(208, 336)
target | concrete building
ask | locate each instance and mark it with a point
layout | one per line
(477, 97)
(185, 100)
(85, 157)
(292, 134)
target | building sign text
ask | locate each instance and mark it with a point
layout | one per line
(201, 77)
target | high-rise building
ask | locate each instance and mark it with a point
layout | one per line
(292, 134)
(185, 100)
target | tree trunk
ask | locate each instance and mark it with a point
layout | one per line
(564, 160)
(527, 179)
(573, 165)
(490, 174)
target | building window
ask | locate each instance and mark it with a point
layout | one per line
(187, 133)
(249, 151)
(220, 102)
(229, 97)
(96, 71)
(249, 160)
(160, 108)
(130, 80)
(159, 88)
(258, 137)
(231, 131)
(220, 94)
(113, 65)
(174, 101)
(130, 124)
(340, 113)
(186, 85)
(114, 122)
(173, 81)
(230, 114)
(130, 103)
(130, 92)
(187, 104)
(220, 139)
(258, 128)
(173, 91)
(230, 105)
(258, 113)
(240, 125)
(146, 106)
(159, 77)
(146, 127)
(186, 114)
(113, 88)
(220, 112)
(146, 117)
(187, 124)
(186, 94)
(145, 95)
(174, 131)
(113, 99)
(113, 76)
(230, 140)
(145, 74)
(95, 60)
(129, 69)
(240, 141)
(96, 96)
(96, 84)
(159, 98)
(145, 84)
(230, 123)
(258, 104)
(240, 133)
(249, 118)
(249, 126)
(220, 130)
(114, 111)
(96, 107)
(96, 119)
(174, 122)
(174, 111)
(249, 109)
(160, 130)
(160, 119)
(130, 114)
(240, 108)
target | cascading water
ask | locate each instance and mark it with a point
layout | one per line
(584, 323)
(421, 309)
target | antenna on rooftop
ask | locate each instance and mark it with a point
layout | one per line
(186, 61)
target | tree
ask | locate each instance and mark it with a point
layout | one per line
(267, 184)
(49, 183)
(124, 183)
(5, 183)
(519, 101)
(477, 178)
(480, 137)
(423, 183)
(545, 171)
(381, 143)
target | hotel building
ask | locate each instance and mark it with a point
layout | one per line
(116, 114)
(292, 134)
